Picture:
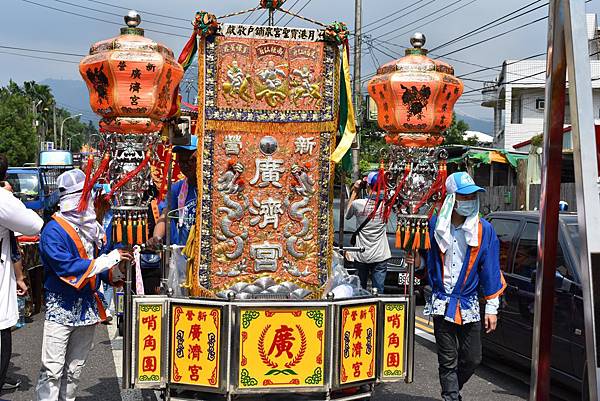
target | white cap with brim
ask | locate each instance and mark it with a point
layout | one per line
(461, 183)
(70, 182)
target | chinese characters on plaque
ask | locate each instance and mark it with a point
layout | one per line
(394, 330)
(282, 347)
(358, 343)
(149, 342)
(195, 342)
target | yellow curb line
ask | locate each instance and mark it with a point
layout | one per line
(424, 328)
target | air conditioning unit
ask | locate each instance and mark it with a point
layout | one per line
(540, 103)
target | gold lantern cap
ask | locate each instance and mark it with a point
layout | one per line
(416, 59)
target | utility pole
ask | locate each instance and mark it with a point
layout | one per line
(54, 124)
(357, 86)
(37, 132)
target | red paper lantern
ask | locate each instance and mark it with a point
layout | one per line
(415, 97)
(132, 80)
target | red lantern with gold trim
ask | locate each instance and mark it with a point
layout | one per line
(132, 80)
(415, 97)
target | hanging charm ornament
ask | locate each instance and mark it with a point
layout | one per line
(415, 97)
(271, 5)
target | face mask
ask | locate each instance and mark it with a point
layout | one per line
(467, 208)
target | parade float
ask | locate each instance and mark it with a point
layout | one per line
(262, 315)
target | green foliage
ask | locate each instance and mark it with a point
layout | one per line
(455, 134)
(19, 138)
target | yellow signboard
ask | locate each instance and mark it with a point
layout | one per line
(149, 340)
(282, 347)
(394, 329)
(358, 341)
(195, 344)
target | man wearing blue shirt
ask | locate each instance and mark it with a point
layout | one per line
(182, 199)
(463, 259)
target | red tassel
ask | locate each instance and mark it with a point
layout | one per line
(380, 189)
(90, 181)
(165, 175)
(129, 176)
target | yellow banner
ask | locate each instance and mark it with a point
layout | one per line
(195, 344)
(149, 342)
(358, 343)
(394, 340)
(282, 347)
(350, 130)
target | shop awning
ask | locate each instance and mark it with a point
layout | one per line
(489, 156)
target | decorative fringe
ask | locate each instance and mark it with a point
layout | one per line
(427, 244)
(119, 230)
(380, 189)
(129, 231)
(398, 237)
(88, 186)
(189, 50)
(165, 175)
(272, 127)
(129, 175)
(417, 241)
(139, 232)
(88, 177)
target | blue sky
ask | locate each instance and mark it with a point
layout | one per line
(27, 25)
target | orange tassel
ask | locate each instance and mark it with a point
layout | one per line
(129, 231)
(427, 239)
(407, 235)
(139, 231)
(398, 241)
(417, 242)
(119, 230)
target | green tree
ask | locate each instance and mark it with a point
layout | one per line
(17, 135)
(19, 140)
(455, 134)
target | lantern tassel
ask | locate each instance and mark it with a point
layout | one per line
(119, 230)
(398, 242)
(417, 241)
(91, 181)
(165, 175)
(427, 245)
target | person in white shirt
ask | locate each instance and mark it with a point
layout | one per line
(14, 217)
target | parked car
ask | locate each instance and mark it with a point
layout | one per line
(396, 280)
(512, 340)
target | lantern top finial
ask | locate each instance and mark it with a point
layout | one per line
(417, 40)
(133, 19)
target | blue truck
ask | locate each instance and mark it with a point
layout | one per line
(36, 186)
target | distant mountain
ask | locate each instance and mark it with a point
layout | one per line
(476, 124)
(72, 95)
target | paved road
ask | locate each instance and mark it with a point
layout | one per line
(100, 382)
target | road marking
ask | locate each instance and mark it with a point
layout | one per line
(424, 327)
(425, 335)
(422, 320)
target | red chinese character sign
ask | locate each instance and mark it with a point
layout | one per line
(149, 343)
(358, 343)
(267, 119)
(282, 348)
(394, 340)
(195, 345)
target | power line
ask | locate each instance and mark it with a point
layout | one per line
(283, 14)
(259, 17)
(494, 37)
(422, 18)
(41, 51)
(489, 24)
(118, 15)
(435, 19)
(38, 57)
(298, 12)
(142, 11)
(97, 19)
(395, 13)
(501, 65)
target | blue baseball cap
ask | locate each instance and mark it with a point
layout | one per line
(461, 183)
(192, 147)
(372, 178)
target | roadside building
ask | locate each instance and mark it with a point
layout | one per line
(517, 95)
